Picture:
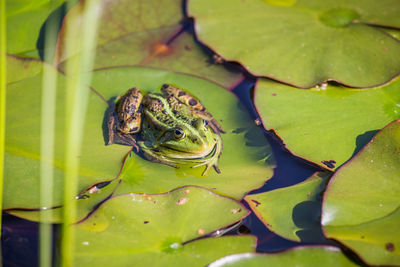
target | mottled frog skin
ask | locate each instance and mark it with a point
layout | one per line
(171, 128)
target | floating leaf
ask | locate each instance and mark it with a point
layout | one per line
(326, 125)
(22, 148)
(303, 42)
(361, 205)
(151, 35)
(301, 256)
(292, 212)
(246, 160)
(24, 21)
(154, 230)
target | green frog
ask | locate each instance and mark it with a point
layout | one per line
(171, 128)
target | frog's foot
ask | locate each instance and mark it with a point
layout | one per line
(126, 140)
(117, 137)
(208, 164)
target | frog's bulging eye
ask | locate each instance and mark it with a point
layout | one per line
(205, 123)
(179, 133)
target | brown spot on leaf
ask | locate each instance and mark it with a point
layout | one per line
(159, 49)
(256, 202)
(389, 246)
(217, 59)
(329, 163)
(146, 196)
(146, 222)
(236, 210)
(200, 232)
(182, 201)
(187, 191)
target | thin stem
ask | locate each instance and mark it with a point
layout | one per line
(48, 112)
(77, 94)
(3, 84)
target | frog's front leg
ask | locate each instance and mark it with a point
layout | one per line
(150, 155)
(214, 159)
(117, 137)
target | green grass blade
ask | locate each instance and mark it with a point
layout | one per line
(2, 95)
(77, 71)
(48, 116)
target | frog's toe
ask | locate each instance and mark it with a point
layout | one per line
(216, 168)
(206, 170)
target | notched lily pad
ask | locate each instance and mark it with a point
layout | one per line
(246, 161)
(361, 207)
(293, 212)
(303, 43)
(22, 144)
(326, 124)
(160, 229)
(300, 256)
(145, 33)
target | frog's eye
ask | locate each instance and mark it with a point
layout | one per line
(179, 133)
(205, 123)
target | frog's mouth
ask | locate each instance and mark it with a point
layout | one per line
(188, 156)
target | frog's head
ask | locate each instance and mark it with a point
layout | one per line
(187, 140)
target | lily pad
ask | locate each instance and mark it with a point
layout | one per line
(326, 125)
(303, 43)
(22, 145)
(301, 256)
(361, 205)
(246, 161)
(160, 230)
(292, 212)
(151, 35)
(24, 21)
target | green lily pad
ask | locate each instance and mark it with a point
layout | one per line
(146, 33)
(303, 42)
(301, 256)
(361, 205)
(326, 123)
(24, 21)
(292, 212)
(246, 161)
(22, 145)
(155, 230)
